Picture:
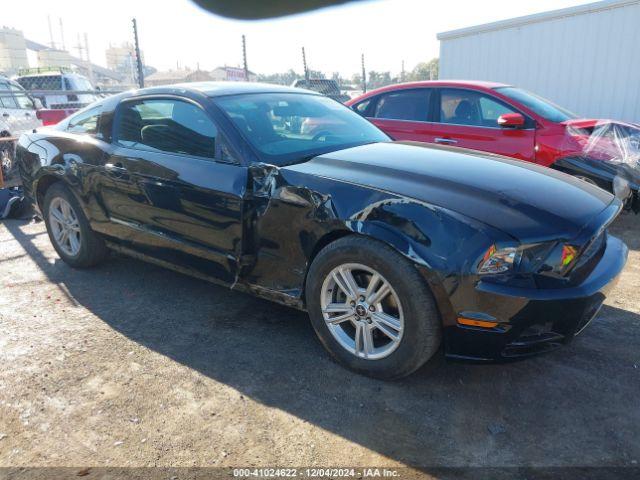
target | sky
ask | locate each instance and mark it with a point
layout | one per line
(176, 32)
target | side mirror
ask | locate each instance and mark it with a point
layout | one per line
(37, 103)
(511, 120)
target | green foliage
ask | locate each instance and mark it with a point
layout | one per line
(424, 71)
(286, 78)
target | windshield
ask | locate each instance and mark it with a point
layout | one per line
(81, 83)
(539, 105)
(287, 127)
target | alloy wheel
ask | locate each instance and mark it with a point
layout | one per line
(362, 311)
(65, 227)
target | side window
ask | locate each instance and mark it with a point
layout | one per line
(404, 105)
(166, 125)
(467, 107)
(22, 98)
(7, 99)
(362, 107)
(86, 122)
(491, 109)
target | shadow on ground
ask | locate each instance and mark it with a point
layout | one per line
(570, 407)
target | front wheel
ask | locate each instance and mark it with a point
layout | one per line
(371, 308)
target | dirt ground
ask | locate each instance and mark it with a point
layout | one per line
(129, 364)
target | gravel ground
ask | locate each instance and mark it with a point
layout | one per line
(129, 364)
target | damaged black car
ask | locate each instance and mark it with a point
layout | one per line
(393, 248)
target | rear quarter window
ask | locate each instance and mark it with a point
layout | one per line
(363, 107)
(86, 122)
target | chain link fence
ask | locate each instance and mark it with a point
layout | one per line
(35, 99)
(42, 97)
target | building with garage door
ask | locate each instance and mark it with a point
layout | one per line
(584, 58)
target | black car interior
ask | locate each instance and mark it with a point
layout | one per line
(167, 133)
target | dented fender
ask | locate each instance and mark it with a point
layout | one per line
(291, 216)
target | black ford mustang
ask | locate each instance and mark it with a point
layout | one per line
(392, 248)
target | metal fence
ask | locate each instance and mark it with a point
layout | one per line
(33, 101)
(45, 96)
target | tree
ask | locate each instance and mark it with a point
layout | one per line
(425, 71)
(379, 79)
(286, 78)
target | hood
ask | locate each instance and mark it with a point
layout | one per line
(583, 122)
(592, 122)
(529, 202)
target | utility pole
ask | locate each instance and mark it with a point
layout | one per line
(64, 47)
(138, 59)
(364, 76)
(402, 72)
(51, 42)
(306, 70)
(244, 58)
(80, 48)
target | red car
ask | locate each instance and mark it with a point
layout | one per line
(507, 120)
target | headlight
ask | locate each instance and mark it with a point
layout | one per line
(526, 258)
(497, 261)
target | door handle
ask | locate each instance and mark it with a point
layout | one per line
(446, 141)
(27, 114)
(115, 169)
(5, 115)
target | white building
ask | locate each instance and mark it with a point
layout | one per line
(53, 57)
(232, 74)
(13, 51)
(584, 58)
(122, 59)
(169, 77)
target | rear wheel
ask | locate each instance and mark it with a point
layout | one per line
(69, 231)
(371, 308)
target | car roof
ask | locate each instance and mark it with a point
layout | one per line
(477, 84)
(458, 83)
(218, 89)
(42, 74)
(51, 73)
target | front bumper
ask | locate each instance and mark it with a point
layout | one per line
(532, 321)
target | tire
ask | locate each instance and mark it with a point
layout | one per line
(417, 324)
(7, 159)
(91, 248)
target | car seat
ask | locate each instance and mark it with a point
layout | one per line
(465, 114)
(131, 125)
